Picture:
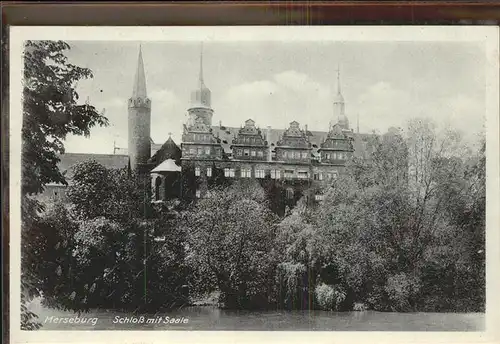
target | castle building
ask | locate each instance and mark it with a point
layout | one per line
(302, 161)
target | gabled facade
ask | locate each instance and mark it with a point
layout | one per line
(250, 144)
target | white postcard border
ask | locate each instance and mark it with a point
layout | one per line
(489, 35)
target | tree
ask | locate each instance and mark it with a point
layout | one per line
(230, 237)
(96, 191)
(109, 257)
(50, 112)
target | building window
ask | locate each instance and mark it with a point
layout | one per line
(207, 150)
(246, 152)
(197, 171)
(327, 156)
(198, 193)
(289, 193)
(253, 153)
(259, 173)
(288, 174)
(275, 174)
(260, 154)
(209, 171)
(246, 173)
(319, 197)
(194, 137)
(320, 176)
(329, 176)
(239, 152)
(335, 174)
(315, 176)
(303, 175)
(304, 155)
(200, 151)
(192, 151)
(229, 172)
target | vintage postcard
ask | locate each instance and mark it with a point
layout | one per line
(243, 184)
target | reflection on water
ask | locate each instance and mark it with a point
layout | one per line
(212, 318)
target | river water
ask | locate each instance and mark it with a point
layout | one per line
(211, 318)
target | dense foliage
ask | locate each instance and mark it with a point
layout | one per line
(51, 111)
(401, 231)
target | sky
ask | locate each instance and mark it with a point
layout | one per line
(274, 83)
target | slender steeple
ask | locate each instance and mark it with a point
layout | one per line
(338, 97)
(338, 80)
(357, 127)
(201, 96)
(339, 105)
(202, 83)
(139, 90)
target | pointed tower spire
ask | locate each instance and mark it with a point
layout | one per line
(357, 128)
(139, 90)
(338, 79)
(202, 84)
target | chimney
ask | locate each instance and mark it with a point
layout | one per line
(220, 124)
(306, 129)
(269, 148)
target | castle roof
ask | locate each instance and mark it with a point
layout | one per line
(169, 150)
(226, 135)
(168, 165)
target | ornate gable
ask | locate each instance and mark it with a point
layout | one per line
(294, 137)
(249, 135)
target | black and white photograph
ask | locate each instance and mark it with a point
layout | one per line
(331, 183)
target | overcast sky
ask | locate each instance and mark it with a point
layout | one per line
(274, 83)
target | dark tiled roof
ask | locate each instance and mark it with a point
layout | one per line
(68, 160)
(226, 135)
(169, 150)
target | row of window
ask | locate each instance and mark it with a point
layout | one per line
(248, 152)
(275, 174)
(289, 194)
(203, 151)
(336, 156)
(251, 139)
(202, 137)
(294, 155)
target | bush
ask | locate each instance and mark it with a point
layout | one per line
(329, 297)
(402, 289)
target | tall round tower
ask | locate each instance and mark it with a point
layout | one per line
(201, 100)
(139, 120)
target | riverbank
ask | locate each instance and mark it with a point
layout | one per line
(212, 318)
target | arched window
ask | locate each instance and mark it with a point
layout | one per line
(157, 188)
